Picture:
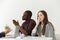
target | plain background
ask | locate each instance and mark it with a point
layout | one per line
(14, 9)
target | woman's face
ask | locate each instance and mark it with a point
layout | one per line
(41, 16)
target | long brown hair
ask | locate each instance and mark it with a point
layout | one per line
(45, 21)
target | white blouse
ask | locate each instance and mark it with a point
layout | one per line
(41, 31)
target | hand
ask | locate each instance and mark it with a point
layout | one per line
(21, 29)
(15, 22)
(7, 31)
(38, 20)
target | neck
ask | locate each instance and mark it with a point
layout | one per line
(42, 23)
(28, 19)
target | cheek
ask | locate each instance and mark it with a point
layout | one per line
(24, 17)
(42, 18)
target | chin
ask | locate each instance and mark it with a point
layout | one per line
(23, 19)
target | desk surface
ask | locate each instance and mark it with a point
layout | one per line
(28, 38)
(37, 38)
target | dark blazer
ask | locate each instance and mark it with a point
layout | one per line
(2, 34)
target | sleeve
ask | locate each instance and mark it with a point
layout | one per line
(51, 32)
(31, 26)
(2, 34)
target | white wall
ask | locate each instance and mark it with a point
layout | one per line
(14, 9)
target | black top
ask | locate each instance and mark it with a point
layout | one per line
(2, 34)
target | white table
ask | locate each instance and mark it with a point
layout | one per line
(7, 38)
(28, 38)
(37, 38)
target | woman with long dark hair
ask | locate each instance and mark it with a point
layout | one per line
(43, 26)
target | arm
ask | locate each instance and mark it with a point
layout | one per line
(16, 23)
(2, 34)
(23, 31)
(37, 23)
(50, 30)
(31, 26)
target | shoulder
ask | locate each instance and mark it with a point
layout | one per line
(49, 24)
(33, 21)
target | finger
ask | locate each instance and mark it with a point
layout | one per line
(14, 20)
(17, 21)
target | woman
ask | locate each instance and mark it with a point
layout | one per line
(43, 26)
